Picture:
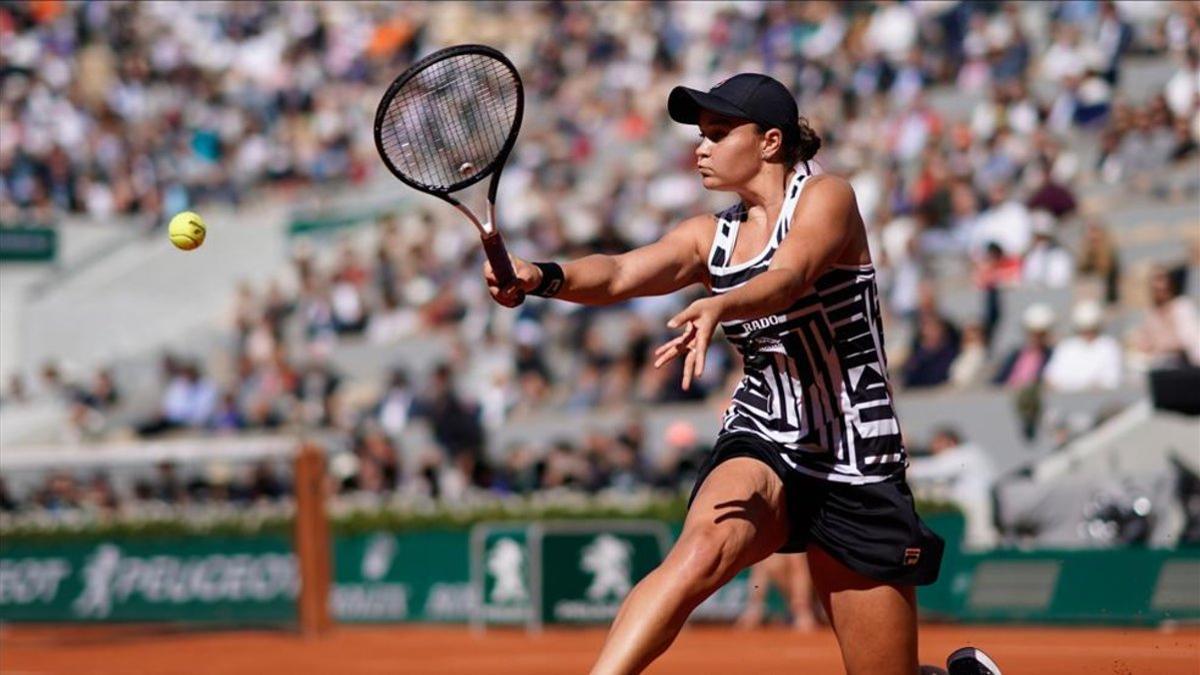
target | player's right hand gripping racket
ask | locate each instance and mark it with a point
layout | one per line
(450, 121)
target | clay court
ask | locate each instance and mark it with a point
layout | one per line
(25, 650)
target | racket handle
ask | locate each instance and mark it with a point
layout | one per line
(497, 255)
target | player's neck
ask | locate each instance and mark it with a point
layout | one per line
(768, 189)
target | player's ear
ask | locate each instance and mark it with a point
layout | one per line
(772, 143)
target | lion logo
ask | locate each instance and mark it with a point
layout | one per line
(506, 564)
(607, 558)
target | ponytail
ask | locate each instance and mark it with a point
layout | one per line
(800, 143)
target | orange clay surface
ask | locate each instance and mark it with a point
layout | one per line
(133, 650)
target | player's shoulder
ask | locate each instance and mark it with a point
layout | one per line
(826, 191)
(696, 232)
(828, 185)
(698, 224)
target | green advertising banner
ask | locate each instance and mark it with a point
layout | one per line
(407, 576)
(500, 568)
(235, 580)
(587, 570)
(562, 572)
(1125, 586)
(28, 244)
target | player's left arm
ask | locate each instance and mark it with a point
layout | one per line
(824, 224)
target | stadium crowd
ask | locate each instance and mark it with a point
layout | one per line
(114, 108)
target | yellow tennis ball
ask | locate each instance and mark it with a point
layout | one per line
(187, 230)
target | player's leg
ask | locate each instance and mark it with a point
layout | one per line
(875, 623)
(738, 518)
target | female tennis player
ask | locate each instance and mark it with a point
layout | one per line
(809, 456)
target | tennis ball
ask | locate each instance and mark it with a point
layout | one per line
(187, 230)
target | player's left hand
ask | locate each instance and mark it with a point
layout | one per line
(699, 322)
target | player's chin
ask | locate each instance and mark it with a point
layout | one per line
(712, 182)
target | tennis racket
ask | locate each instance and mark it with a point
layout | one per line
(450, 121)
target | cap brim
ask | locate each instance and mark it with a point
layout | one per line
(684, 105)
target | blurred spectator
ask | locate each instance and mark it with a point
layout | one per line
(1100, 260)
(189, 400)
(60, 492)
(264, 483)
(1169, 335)
(1006, 222)
(968, 367)
(99, 493)
(395, 406)
(1046, 263)
(227, 417)
(1144, 150)
(168, 486)
(317, 394)
(937, 347)
(1113, 38)
(16, 393)
(455, 422)
(50, 384)
(962, 473)
(102, 394)
(995, 272)
(1184, 85)
(1051, 197)
(1089, 359)
(1023, 367)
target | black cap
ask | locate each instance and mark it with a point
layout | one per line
(758, 98)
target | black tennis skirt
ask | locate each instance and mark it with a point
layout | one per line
(873, 529)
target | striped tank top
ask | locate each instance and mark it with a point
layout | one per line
(815, 380)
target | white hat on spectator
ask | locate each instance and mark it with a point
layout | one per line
(1038, 317)
(1087, 315)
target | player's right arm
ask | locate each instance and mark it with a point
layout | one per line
(673, 262)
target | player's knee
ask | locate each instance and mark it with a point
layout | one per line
(703, 560)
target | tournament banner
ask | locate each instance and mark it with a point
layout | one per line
(210, 579)
(387, 577)
(586, 574)
(560, 571)
(500, 571)
(379, 577)
(531, 573)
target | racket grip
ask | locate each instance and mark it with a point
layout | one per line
(497, 255)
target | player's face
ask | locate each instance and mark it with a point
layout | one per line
(730, 151)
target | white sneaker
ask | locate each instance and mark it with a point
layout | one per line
(971, 661)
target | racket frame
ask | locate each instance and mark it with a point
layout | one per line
(489, 234)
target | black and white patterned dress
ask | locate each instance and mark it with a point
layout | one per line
(815, 380)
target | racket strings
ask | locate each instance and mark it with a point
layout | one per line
(451, 121)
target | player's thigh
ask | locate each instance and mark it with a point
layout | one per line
(875, 623)
(738, 517)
